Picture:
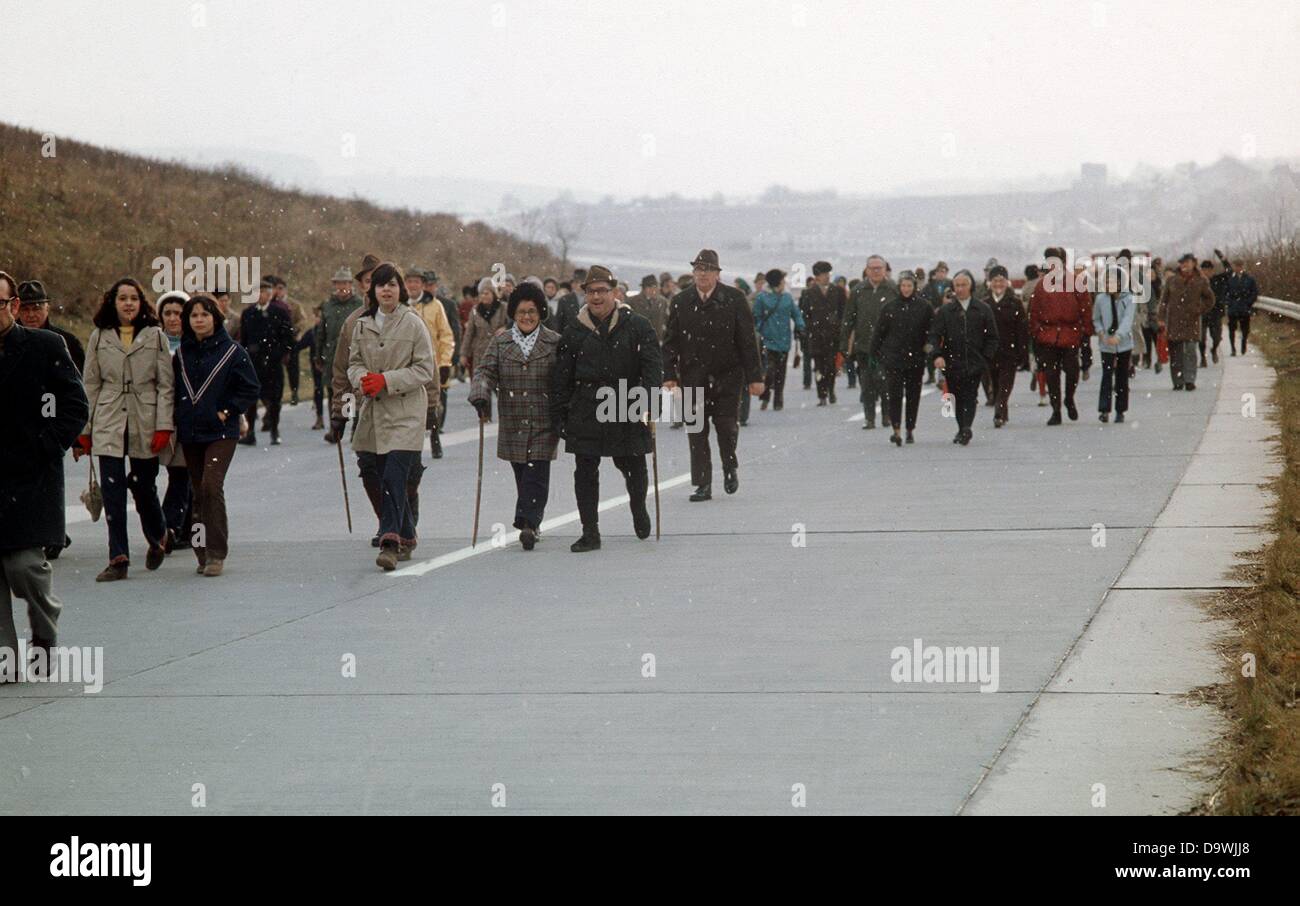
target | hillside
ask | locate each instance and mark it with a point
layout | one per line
(88, 215)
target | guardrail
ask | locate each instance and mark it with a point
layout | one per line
(1279, 307)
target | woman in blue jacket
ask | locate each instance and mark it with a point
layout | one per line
(774, 309)
(215, 382)
(1112, 321)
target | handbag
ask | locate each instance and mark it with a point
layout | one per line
(93, 497)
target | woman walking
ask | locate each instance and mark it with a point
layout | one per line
(487, 318)
(389, 363)
(899, 344)
(1112, 319)
(1013, 341)
(215, 383)
(517, 366)
(128, 382)
(176, 502)
(774, 309)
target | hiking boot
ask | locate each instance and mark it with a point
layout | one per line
(641, 523)
(403, 553)
(112, 573)
(387, 559)
(374, 542)
(213, 567)
(703, 492)
(154, 558)
(730, 481)
(590, 541)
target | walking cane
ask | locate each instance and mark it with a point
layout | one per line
(343, 477)
(478, 491)
(654, 462)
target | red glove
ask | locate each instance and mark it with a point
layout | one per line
(372, 384)
(84, 442)
(160, 441)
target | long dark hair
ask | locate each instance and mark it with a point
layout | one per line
(106, 318)
(208, 304)
(378, 277)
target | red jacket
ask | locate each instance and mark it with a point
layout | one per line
(1061, 317)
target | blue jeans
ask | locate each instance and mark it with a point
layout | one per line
(396, 520)
(115, 482)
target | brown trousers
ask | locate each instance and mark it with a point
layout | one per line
(207, 465)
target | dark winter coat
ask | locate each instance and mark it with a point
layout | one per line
(1013, 329)
(1182, 303)
(1241, 294)
(74, 345)
(712, 345)
(902, 332)
(967, 340)
(523, 387)
(654, 310)
(267, 335)
(232, 390)
(590, 356)
(566, 313)
(43, 408)
(862, 314)
(823, 312)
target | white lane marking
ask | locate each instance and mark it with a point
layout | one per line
(861, 416)
(485, 544)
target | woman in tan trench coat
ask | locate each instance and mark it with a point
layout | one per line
(390, 360)
(129, 386)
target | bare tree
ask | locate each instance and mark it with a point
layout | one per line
(567, 225)
(531, 225)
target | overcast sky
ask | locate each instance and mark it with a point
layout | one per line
(656, 97)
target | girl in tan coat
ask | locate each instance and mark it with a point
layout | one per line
(129, 386)
(390, 360)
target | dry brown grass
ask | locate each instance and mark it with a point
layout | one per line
(87, 216)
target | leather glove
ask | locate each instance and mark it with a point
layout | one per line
(481, 407)
(160, 441)
(372, 384)
(338, 426)
(444, 374)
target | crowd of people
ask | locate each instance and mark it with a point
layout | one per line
(177, 383)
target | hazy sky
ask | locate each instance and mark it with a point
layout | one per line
(655, 97)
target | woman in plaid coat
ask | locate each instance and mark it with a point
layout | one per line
(517, 365)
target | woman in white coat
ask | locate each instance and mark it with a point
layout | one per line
(129, 386)
(389, 363)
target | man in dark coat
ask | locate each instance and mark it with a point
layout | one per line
(650, 304)
(568, 306)
(858, 332)
(606, 346)
(266, 331)
(822, 305)
(963, 341)
(34, 313)
(710, 347)
(1240, 295)
(43, 408)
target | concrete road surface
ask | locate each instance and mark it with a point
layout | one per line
(499, 679)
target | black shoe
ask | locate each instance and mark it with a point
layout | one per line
(1189, 386)
(1119, 418)
(777, 407)
(154, 557)
(762, 405)
(641, 523)
(1234, 351)
(1214, 354)
(956, 438)
(275, 438)
(966, 437)
(703, 492)
(868, 424)
(988, 402)
(52, 552)
(832, 397)
(527, 537)
(1055, 419)
(374, 542)
(249, 440)
(435, 446)
(910, 439)
(1104, 417)
(822, 401)
(730, 481)
(588, 542)
(1072, 411)
(896, 440)
(293, 400)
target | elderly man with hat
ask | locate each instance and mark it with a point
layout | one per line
(858, 333)
(566, 309)
(34, 313)
(608, 345)
(343, 301)
(822, 305)
(435, 319)
(43, 408)
(710, 345)
(650, 304)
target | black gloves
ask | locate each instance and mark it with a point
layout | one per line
(481, 407)
(444, 372)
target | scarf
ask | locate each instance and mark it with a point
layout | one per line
(525, 341)
(488, 312)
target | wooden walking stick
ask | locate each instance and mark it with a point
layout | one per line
(478, 491)
(343, 477)
(654, 462)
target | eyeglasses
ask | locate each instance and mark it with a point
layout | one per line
(601, 291)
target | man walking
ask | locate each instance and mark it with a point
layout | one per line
(823, 305)
(1185, 297)
(43, 408)
(861, 316)
(606, 353)
(710, 346)
(34, 314)
(963, 341)
(341, 303)
(266, 331)
(1241, 294)
(434, 315)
